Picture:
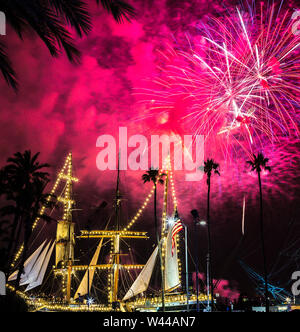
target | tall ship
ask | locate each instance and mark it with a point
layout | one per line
(124, 285)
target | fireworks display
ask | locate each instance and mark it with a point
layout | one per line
(226, 70)
(229, 72)
(237, 79)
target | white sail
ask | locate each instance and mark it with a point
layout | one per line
(83, 288)
(171, 271)
(32, 276)
(42, 272)
(28, 265)
(142, 281)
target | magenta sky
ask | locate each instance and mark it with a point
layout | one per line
(62, 107)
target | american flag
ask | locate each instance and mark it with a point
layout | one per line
(175, 230)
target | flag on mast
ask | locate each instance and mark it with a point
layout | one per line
(175, 230)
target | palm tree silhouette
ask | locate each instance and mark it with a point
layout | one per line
(49, 20)
(24, 185)
(258, 164)
(119, 9)
(153, 175)
(209, 168)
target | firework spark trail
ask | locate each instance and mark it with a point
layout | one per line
(240, 80)
(236, 81)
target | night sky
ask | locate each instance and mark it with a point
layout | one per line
(62, 107)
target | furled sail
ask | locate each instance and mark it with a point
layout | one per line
(142, 281)
(83, 288)
(38, 281)
(28, 265)
(171, 270)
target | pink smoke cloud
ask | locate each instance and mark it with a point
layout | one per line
(62, 107)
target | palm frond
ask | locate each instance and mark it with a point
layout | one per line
(119, 9)
(53, 33)
(75, 13)
(13, 15)
(7, 69)
(258, 163)
(48, 19)
(145, 178)
(154, 176)
(209, 166)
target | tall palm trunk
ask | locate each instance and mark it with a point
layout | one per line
(209, 244)
(263, 244)
(159, 249)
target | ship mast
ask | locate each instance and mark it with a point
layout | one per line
(163, 237)
(170, 264)
(115, 235)
(165, 226)
(65, 239)
(116, 241)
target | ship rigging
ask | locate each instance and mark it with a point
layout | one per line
(135, 297)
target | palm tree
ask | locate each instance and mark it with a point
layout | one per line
(49, 20)
(258, 164)
(37, 199)
(209, 168)
(153, 175)
(24, 186)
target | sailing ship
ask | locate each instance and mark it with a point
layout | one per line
(165, 254)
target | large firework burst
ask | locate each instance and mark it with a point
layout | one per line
(238, 79)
